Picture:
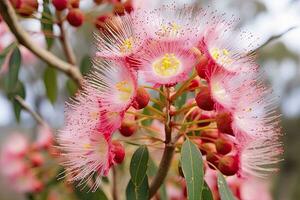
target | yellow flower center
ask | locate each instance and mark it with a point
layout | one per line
(87, 146)
(169, 29)
(168, 65)
(125, 90)
(127, 45)
(221, 55)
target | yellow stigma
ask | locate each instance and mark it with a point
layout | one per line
(125, 90)
(127, 45)
(221, 55)
(168, 65)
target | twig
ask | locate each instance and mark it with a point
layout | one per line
(65, 41)
(168, 153)
(9, 16)
(26, 107)
(271, 39)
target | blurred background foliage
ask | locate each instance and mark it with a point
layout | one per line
(46, 89)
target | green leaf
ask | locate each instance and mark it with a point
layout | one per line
(20, 91)
(85, 65)
(5, 52)
(71, 87)
(50, 82)
(192, 167)
(141, 192)
(85, 194)
(11, 80)
(225, 192)
(138, 165)
(47, 25)
(206, 192)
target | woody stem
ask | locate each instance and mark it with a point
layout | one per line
(166, 159)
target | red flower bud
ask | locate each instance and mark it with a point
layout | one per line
(212, 158)
(75, 17)
(74, 3)
(142, 99)
(118, 151)
(223, 146)
(28, 7)
(204, 100)
(224, 121)
(37, 159)
(128, 128)
(208, 148)
(194, 84)
(201, 67)
(60, 4)
(128, 6)
(229, 165)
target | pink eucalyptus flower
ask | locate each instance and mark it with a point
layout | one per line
(115, 85)
(118, 38)
(225, 48)
(165, 62)
(86, 155)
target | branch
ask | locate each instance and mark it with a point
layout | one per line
(166, 159)
(9, 16)
(26, 107)
(271, 39)
(65, 41)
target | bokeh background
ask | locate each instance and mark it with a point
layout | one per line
(279, 59)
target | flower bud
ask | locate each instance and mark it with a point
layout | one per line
(28, 7)
(201, 67)
(204, 100)
(194, 84)
(37, 159)
(229, 165)
(60, 4)
(119, 152)
(128, 128)
(74, 3)
(224, 121)
(208, 148)
(223, 146)
(75, 17)
(128, 6)
(142, 99)
(212, 158)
